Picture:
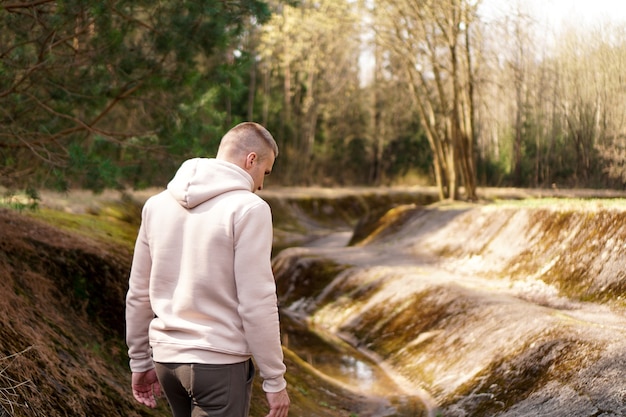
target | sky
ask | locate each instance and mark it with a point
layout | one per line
(587, 11)
(548, 13)
(554, 12)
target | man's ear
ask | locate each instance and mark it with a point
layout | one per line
(251, 159)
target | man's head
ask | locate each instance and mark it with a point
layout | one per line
(251, 147)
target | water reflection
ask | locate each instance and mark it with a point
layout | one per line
(350, 368)
(357, 370)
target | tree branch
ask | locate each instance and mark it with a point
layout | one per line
(25, 5)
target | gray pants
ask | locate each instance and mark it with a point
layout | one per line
(202, 390)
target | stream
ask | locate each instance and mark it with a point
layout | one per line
(352, 369)
(347, 366)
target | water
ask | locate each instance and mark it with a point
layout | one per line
(351, 369)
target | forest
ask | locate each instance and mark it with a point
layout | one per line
(116, 94)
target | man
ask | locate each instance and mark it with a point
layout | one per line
(202, 297)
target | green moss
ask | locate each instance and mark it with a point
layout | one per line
(563, 203)
(568, 248)
(514, 376)
(380, 224)
(391, 327)
(102, 226)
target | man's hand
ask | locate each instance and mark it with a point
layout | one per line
(279, 403)
(146, 387)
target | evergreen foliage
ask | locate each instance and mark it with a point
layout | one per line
(91, 92)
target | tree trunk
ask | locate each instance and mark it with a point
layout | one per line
(251, 92)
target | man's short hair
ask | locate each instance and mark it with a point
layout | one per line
(248, 137)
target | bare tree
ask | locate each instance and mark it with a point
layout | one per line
(433, 41)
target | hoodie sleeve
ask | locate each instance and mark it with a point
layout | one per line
(138, 309)
(256, 290)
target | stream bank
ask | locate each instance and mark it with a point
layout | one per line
(510, 309)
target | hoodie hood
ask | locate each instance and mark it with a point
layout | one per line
(200, 179)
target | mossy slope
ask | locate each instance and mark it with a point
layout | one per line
(498, 309)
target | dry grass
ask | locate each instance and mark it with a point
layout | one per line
(9, 396)
(61, 323)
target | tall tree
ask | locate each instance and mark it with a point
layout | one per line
(554, 101)
(76, 74)
(311, 51)
(433, 41)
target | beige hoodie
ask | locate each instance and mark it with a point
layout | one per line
(201, 287)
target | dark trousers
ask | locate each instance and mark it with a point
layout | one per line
(202, 390)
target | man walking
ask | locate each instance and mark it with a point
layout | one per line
(202, 297)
